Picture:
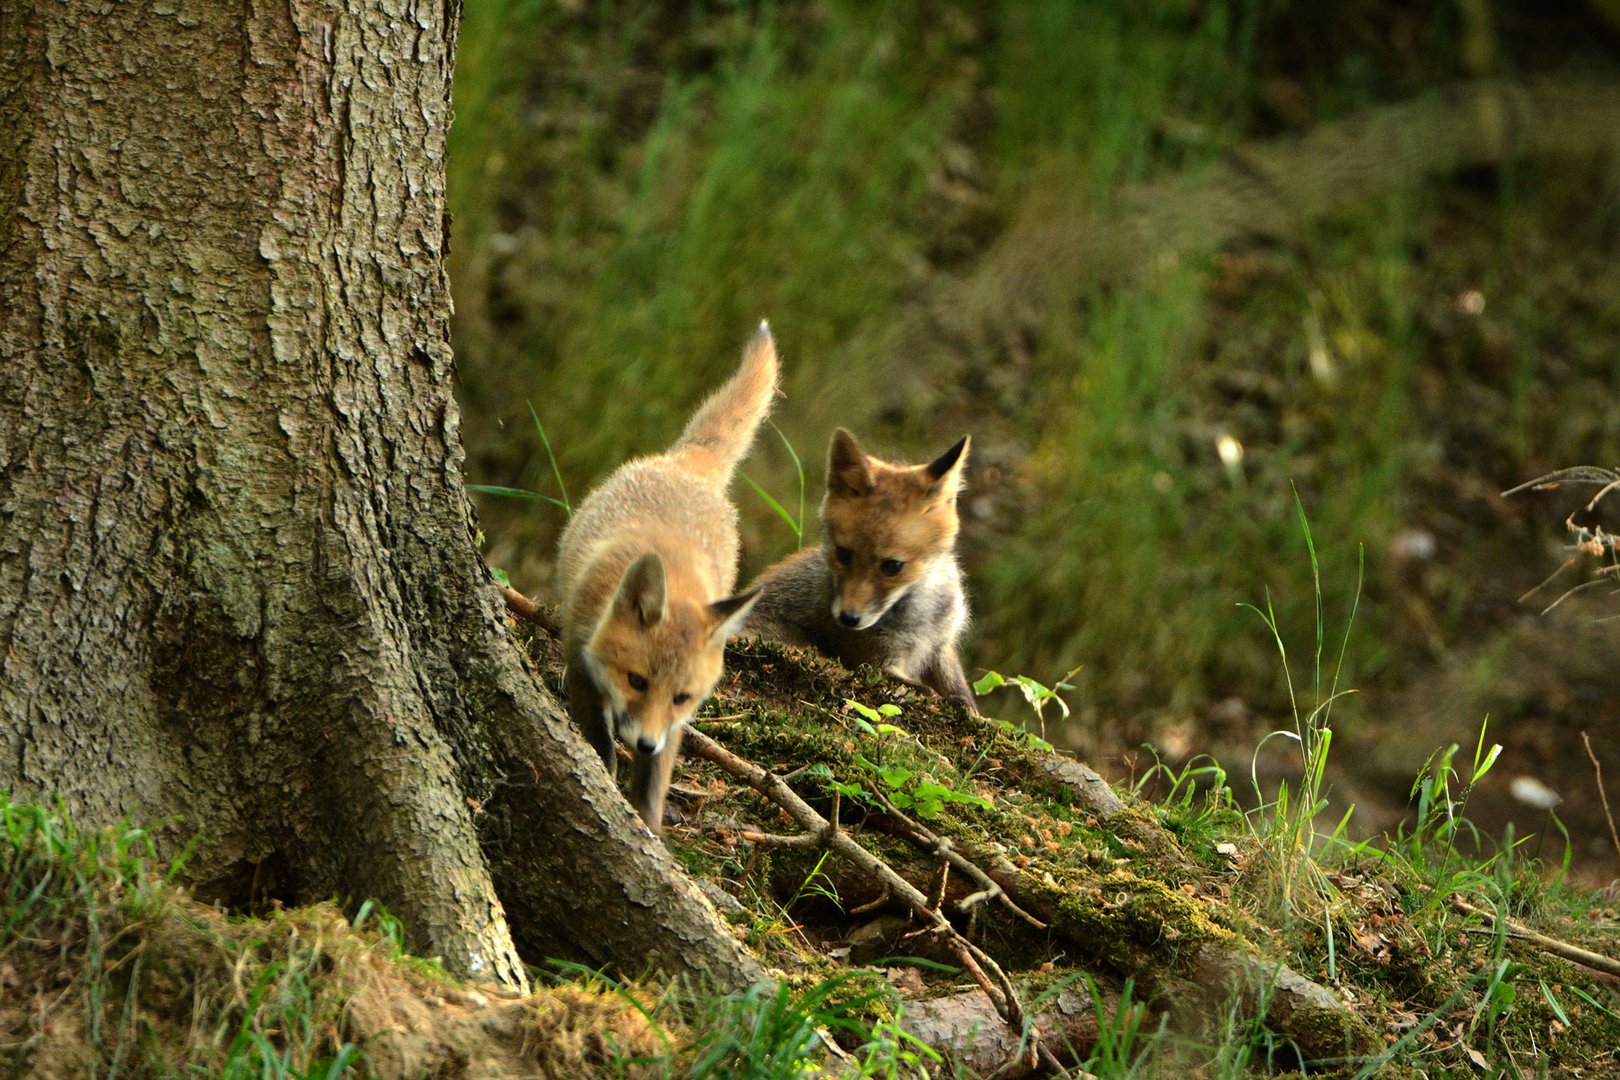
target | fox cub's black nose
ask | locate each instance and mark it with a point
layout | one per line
(849, 618)
(646, 745)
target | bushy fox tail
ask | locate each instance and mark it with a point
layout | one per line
(723, 428)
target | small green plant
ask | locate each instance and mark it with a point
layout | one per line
(796, 523)
(815, 883)
(771, 1031)
(1430, 846)
(1286, 823)
(1201, 772)
(389, 928)
(562, 503)
(875, 721)
(1035, 693)
(906, 788)
(1122, 1049)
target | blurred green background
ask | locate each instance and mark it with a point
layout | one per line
(1167, 262)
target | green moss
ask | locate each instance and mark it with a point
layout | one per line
(1119, 918)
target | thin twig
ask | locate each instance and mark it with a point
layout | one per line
(936, 888)
(872, 905)
(1562, 949)
(925, 838)
(1597, 771)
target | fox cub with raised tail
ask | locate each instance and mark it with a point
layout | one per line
(647, 566)
(884, 588)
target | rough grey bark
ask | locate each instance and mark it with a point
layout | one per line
(239, 588)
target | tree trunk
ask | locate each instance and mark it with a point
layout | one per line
(239, 588)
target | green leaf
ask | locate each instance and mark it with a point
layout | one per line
(890, 729)
(780, 511)
(516, 493)
(863, 710)
(555, 471)
(501, 576)
(992, 680)
(895, 777)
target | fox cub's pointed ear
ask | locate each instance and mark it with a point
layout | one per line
(642, 593)
(847, 470)
(946, 470)
(728, 614)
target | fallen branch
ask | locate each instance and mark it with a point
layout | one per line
(1552, 946)
(975, 961)
(924, 838)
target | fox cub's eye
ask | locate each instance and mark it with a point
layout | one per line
(682, 698)
(891, 567)
(637, 681)
(843, 555)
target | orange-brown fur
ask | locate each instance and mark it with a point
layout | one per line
(850, 600)
(646, 568)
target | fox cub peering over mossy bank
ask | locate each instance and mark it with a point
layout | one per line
(884, 588)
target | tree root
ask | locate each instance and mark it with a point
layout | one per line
(955, 1024)
(1178, 970)
(527, 609)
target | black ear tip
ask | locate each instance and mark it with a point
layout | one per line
(733, 604)
(947, 461)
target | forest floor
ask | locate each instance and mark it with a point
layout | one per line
(1134, 936)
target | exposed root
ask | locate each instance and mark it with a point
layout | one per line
(524, 608)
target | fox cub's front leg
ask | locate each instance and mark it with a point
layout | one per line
(588, 710)
(649, 781)
(944, 676)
